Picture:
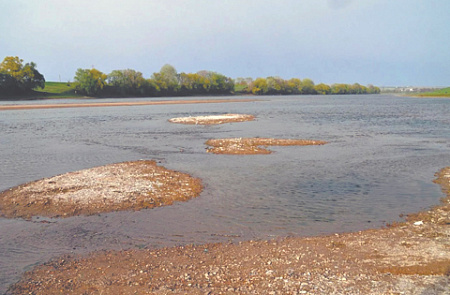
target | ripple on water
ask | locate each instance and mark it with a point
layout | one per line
(380, 162)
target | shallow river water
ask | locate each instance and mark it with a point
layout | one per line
(381, 158)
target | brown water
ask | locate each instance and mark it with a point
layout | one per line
(380, 162)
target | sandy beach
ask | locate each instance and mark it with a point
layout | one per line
(412, 257)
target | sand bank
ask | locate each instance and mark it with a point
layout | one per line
(412, 257)
(213, 120)
(253, 146)
(123, 186)
(117, 104)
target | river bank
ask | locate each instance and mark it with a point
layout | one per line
(410, 257)
(116, 104)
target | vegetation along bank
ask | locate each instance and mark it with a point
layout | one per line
(21, 80)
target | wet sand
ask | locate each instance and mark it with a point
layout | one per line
(122, 186)
(116, 104)
(412, 257)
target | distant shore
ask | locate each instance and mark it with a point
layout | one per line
(117, 104)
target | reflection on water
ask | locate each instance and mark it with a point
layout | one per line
(380, 162)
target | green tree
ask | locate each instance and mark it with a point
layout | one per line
(17, 77)
(294, 86)
(90, 82)
(373, 89)
(166, 80)
(308, 86)
(275, 85)
(127, 82)
(259, 86)
(322, 88)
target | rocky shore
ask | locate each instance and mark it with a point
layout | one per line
(412, 257)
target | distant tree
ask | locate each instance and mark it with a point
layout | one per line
(127, 82)
(31, 78)
(322, 89)
(308, 86)
(90, 82)
(275, 85)
(8, 84)
(166, 80)
(373, 89)
(339, 89)
(17, 77)
(294, 86)
(259, 86)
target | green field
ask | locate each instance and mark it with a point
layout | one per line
(444, 92)
(57, 90)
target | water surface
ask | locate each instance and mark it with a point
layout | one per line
(381, 158)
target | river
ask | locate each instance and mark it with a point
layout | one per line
(381, 158)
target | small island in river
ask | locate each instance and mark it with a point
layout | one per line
(213, 119)
(253, 146)
(123, 186)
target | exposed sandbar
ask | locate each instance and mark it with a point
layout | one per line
(117, 104)
(412, 257)
(123, 186)
(253, 146)
(213, 119)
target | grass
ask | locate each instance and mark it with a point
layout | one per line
(444, 92)
(57, 90)
(51, 90)
(239, 88)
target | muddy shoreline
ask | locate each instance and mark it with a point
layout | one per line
(411, 257)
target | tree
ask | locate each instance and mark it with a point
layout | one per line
(308, 86)
(339, 89)
(127, 82)
(166, 80)
(294, 86)
(17, 77)
(322, 89)
(31, 78)
(373, 89)
(275, 85)
(90, 82)
(259, 86)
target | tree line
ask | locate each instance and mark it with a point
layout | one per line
(279, 86)
(19, 78)
(166, 82)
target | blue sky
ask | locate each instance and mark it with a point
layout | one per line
(382, 42)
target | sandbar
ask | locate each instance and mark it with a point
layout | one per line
(213, 119)
(115, 187)
(253, 146)
(117, 104)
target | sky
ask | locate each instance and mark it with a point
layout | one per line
(380, 42)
